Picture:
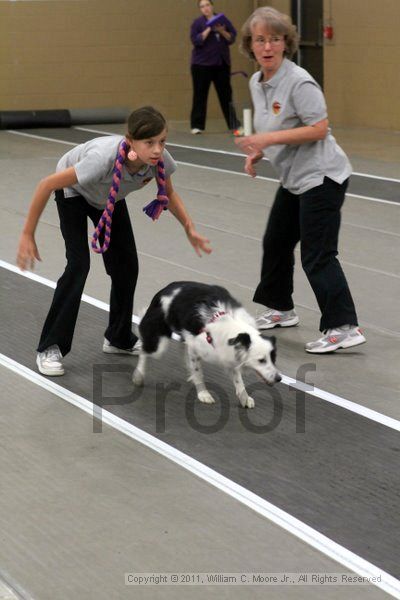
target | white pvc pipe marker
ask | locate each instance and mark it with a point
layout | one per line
(247, 121)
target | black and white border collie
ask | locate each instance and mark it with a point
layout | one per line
(215, 328)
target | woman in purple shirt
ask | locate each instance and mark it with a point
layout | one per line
(211, 62)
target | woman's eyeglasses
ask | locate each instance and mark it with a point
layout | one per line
(272, 40)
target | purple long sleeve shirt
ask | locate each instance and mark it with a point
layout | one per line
(214, 50)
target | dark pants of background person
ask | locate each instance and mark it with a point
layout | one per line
(313, 218)
(202, 78)
(121, 264)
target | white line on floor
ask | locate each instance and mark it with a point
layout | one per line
(348, 194)
(10, 589)
(41, 137)
(6, 592)
(371, 199)
(373, 229)
(256, 239)
(205, 149)
(302, 531)
(308, 388)
(175, 264)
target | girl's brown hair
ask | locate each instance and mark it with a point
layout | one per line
(145, 122)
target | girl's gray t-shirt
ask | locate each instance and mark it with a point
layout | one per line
(94, 162)
(290, 99)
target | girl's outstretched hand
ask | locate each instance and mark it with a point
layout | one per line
(198, 241)
(27, 252)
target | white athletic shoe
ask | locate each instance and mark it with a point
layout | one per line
(277, 318)
(108, 349)
(49, 361)
(196, 131)
(345, 336)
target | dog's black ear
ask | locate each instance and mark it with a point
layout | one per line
(242, 339)
(273, 356)
(272, 339)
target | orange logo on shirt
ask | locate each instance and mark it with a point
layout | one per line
(145, 181)
(276, 108)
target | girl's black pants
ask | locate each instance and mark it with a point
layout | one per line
(121, 264)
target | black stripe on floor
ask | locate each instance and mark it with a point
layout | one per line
(371, 187)
(338, 473)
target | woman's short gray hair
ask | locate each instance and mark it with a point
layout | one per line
(277, 23)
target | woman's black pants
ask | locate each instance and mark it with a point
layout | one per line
(121, 264)
(313, 218)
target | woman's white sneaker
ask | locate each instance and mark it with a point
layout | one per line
(345, 336)
(49, 361)
(277, 318)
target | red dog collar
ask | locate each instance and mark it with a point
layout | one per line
(216, 316)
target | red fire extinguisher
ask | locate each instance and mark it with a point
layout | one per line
(328, 31)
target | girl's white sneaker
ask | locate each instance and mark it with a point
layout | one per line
(49, 361)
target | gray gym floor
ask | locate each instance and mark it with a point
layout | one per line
(83, 503)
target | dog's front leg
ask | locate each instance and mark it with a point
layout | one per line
(140, 370)
(197, 377)
(245, 400)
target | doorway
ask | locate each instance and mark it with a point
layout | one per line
(307, 15)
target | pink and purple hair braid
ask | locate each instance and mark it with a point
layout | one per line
(153, 209)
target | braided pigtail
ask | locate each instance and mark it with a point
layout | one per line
(155, 208)
(106, 218)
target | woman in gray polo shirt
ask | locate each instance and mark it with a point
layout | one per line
(81, 183)
(291, 124)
